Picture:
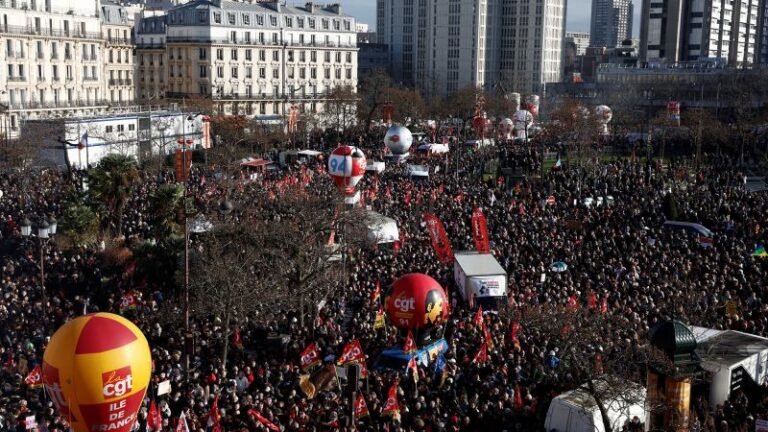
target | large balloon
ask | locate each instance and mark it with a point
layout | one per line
(347, 166)
(604, 115)
(514, 101)
(507, 126)
(533, 105)
(398, 140)
(523, 121)
(96, 370)
(417, 301)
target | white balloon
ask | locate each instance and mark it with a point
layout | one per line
(398, 139)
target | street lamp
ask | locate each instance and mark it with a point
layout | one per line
(45, 230)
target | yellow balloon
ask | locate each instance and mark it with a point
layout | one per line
(96, 370)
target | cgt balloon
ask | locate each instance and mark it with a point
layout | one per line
(417, 301)
(96, 370)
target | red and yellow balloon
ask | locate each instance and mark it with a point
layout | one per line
(96, 370)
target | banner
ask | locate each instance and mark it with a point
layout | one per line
(379, 322)
(263, 420)
(388, 111)
(440, 242)
(480, 232)
(206, 132)
(409, 347)
(309, 357)
(673, 110)
(391, 407)
(482, 356)
(182, 174)
(182, 425)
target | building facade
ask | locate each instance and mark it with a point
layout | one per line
(53, 59)
(442, 47)
(675, 31)
(117, 33)
(611, 22)
(253, 59)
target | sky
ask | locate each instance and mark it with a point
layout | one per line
(577, 20)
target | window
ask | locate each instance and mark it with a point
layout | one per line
(260, 20)
(311, 23)
(275, 55)
(290, 55)
(263, 108)
(219, 54)
(247, 37)
(327, 73)
(109, 129)
(234, 54)
(300, 22)
(313, 73)
(203, 53)
(262, 55)
(273, 20)
(275, 73)
(274, 38)
(302, 56)
(338, 57)
(347, 25)
(131, 127)
(262, 72)
(301, 39)
(234, 72)
(220, 71)
(288, 22)
(246, 19)
(313, 56)
(336, 25)
(248, 55)
(302, 73)
(201, 17)
(203, 89)
(120, 128)
(338, 73)
(349, 73)
(349, 57)
(290, 73)
(325, 24)
(327, 56)
(249, 72)
(203, 72)
(231, 18)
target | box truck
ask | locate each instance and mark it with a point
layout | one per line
(480, 279)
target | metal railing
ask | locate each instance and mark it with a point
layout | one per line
(60, 104)
(17, 78)
(208, 40)
(30, 30)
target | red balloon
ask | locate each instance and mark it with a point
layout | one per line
(417, 301)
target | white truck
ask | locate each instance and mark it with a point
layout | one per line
(481, 280)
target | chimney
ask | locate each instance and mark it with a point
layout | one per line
(334, 8)
(312, 7)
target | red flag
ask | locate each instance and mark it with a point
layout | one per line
(34, 379)
(128, 301)
(376, 294)
(361, 408)
(413, 368)
(352, 352)
(182, 426)
(214, 417)
(440, 242)
(391, 407)
(515, 330)
(409, 346)
(407, 198)
(487, 337)
(154, 418)
(478, 320)
(237, 340)
(592, 301)
(518, 397)
(604, 305)
(573, 302)
(599, 363)
(388, 193)
(482, 356)
(263, 420)
(310, 357)
(480, 231)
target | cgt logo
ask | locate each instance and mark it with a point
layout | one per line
(117, 383)
(405, 304)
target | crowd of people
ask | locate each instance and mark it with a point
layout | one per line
(617, 251)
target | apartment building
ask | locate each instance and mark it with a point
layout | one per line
(254, 59)
(117, 33)
(440, 47)
(52, 53)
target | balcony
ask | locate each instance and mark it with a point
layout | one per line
(119, 41)
(31, 30)
(57, 104)
(147, 45)
(17, 78)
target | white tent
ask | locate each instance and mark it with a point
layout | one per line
(577, 411)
